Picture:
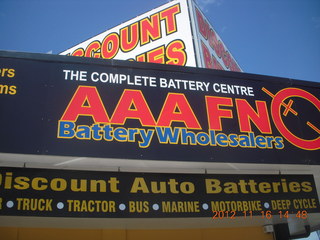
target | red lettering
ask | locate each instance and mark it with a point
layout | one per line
(173, 54)
(246, 115)
(141, 58)
(129, 37)
(234, 66)
(219, 49)
(92, 49)
(213, 41)
(169, 15)
(202, 24)
(226, 58)
(216, 64)
(215, 113)
(133, 105)
(206, 56)
(156, 55)
(176, 108)
(176, 53)
(150, 29)
(209, 60)
(78, 52)
(86, 102)
(110, 46)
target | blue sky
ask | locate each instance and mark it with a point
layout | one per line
(269, 37)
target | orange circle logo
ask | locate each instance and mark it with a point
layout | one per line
(278, 102)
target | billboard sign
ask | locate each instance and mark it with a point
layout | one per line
(176, 33)
(71, 106)
(212, 52)
(162, 35)
(87, 194)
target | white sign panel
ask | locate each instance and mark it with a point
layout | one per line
(176, 33)
(162, 35)
(211, 51)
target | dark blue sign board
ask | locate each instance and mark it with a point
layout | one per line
(72, 106)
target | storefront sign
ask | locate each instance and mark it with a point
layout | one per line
(69, 106)
(66, 193)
